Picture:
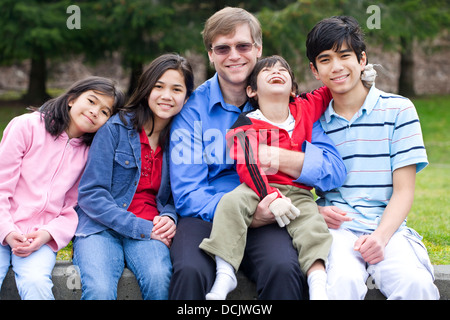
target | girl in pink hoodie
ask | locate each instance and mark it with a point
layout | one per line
(42, 157)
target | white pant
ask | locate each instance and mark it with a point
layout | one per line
(405, 273)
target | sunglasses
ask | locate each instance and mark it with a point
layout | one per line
(224, 49)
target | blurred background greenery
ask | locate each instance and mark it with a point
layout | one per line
(136, 31)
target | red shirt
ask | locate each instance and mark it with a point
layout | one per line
(244, 137)
(143, 204)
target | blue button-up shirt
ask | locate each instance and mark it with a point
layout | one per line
(202, 172)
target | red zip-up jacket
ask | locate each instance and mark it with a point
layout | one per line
(245, 135)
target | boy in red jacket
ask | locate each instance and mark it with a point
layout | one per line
(284, 120)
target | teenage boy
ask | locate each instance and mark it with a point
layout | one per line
(378, 135)
(201, 173)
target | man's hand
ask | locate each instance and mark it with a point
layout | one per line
(333, 216)
(269, 158)
(263, 216)
(274, 160)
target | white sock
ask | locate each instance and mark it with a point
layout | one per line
(317, 282)
(225, 281)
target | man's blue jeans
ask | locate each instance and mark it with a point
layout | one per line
(101, 259)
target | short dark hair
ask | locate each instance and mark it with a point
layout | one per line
(264, 63)
(330, 34)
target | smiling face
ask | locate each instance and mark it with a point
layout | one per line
(272, 83)
(234, 68)
(168, 95)
(88, 112)
(339, 70)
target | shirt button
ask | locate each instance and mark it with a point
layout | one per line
(124, 205)
(127, 162)
(142, 235)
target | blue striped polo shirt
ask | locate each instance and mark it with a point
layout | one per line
(382, 136)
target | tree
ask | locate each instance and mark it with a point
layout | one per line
(140, 30)
(35, 30)
(402, 22)
(135, 28)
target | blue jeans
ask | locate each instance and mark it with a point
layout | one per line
(33, 273)
(101, 259)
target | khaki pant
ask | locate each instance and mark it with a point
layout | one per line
(234, 213)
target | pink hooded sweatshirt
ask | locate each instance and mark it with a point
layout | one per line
(39, 178)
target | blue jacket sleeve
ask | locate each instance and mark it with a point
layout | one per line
(95, 196)
(164, 199)
(323, 167)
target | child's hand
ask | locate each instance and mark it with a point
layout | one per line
(284, 211)
(164, 229)
(35, 240)
(15, 239)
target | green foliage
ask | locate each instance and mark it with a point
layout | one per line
(430, 214)
(140, 30)
(27, 25)
(136, 28)
(285, 30)
(435, 128)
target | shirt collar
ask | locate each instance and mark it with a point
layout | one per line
(329, 112)
(368, 105)
(216, 97)
(371, 100)
(117, 120)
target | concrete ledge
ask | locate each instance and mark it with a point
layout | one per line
(67, 285)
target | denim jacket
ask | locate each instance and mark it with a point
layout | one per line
(110, 180)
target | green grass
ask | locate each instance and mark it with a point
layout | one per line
(7, 113)
(434, 114)
(430, 214)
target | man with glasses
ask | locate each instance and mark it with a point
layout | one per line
(201, 172)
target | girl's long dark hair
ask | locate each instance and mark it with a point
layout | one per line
(138, 106)
(55, 112)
